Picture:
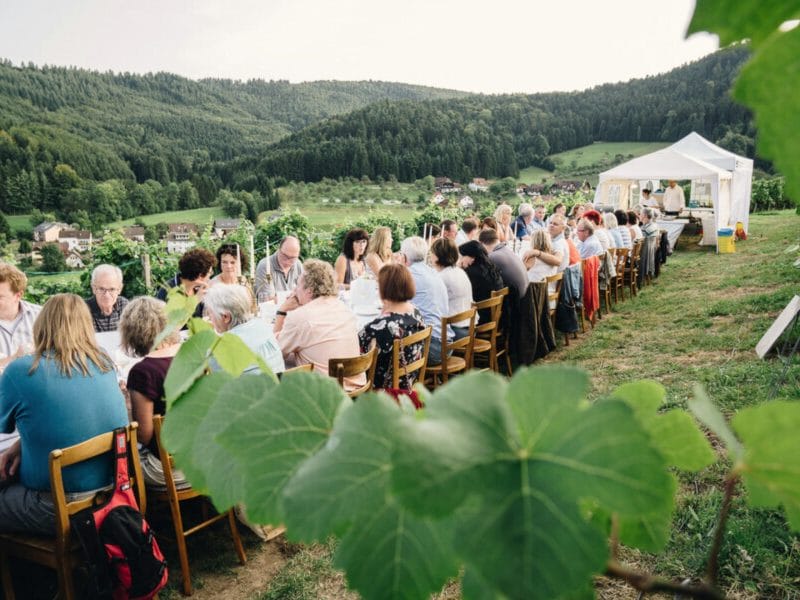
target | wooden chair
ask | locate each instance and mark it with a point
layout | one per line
(174, 497)
(619, 281)
(307, 368)
(61, 552)
(632, 272)
(605, 293)
(453, 364)
(399, 367)
(503, 336)
(553, 294)
(350, 367)
(486, 332)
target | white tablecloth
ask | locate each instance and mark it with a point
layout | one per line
(674, 228)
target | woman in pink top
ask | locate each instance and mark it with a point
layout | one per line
(313, 325)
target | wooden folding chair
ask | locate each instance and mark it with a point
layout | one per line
(174, 497)
(453, 364)
(632, 272)
(61, 552)
(503, 335)
(619, 280)
(307, 368)
(486, 332)
(552, 298)
(350, 367)
(399, 367)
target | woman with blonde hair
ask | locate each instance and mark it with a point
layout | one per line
(502, 215)
(379, 250)
(538, 269)
(64, 393)
(142, 320)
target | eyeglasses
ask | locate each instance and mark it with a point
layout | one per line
(286, 257)
(101, 290)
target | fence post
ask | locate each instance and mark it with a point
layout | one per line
(146, 269)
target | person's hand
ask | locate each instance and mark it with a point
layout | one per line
(290, 304)
(9, 461)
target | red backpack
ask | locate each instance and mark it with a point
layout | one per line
(122, 554)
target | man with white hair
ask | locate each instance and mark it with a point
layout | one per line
(106, 304)
(522, 224)
(431, 296)
(539, 222)
(228, 307)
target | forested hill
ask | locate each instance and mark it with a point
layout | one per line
(495, 135)
(161, 126)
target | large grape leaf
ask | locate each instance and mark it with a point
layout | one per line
(770, 84)
(771, 464)
(183, 421)
(710, 416)
(188, 365)
(530, 453)
(674, 432)
(234, 356)
(273, 438)
(386, 551)
(734, 20)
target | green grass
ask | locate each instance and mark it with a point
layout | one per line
(200, 216)
(329, 217)
(19, 222)
(587, 162)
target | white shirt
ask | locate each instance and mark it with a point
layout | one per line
(459, 291)
(674, 200)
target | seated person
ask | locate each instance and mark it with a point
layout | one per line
(66, 392)
(483, 276)
(228, 307)
(431, 294)
(379, 250)
(232, 262)
(313, 325)
(444, 260)
(538, 268)
(350, 263)
(194, 272)
(106, 304)
(398, 319)
(588, 245)
(142, 320)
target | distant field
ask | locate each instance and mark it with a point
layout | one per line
(200, 216)
(19, 222)
(588, 162)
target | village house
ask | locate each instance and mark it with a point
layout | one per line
(466, 202)
(445, 185)
(48, 231)
(438, 199)
(135, 234)
(478, 185)
(79, 239)
(181, 237)
(223, 227)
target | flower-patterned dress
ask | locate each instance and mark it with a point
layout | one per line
(385, 329)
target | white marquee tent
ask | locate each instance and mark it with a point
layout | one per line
(725, 176)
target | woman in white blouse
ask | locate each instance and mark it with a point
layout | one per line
(444, 259)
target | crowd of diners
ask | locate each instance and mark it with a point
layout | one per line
(58, 387)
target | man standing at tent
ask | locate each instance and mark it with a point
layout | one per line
(674, 200)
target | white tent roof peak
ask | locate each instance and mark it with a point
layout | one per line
(667, 163)
(696, 145)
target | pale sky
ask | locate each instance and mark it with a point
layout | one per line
(501, 46)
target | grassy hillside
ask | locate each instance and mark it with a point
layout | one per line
(587, 161)
(200, 216)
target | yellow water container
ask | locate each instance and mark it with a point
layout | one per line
(725, 241)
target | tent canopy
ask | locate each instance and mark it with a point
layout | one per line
(694, 158)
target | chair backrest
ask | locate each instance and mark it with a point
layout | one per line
(465, 343)
(622, 257)
(495, 307)
(91, 448)
(636, 252)
(420, 365)
(501, 292)
(350, 367)
(307, 368)
(553, 294)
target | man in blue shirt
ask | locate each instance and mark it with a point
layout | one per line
(588, 244)
(431, 296)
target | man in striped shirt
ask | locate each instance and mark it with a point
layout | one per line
(106, 304)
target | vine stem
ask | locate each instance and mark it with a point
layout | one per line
(713, 557)
(644, 582)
